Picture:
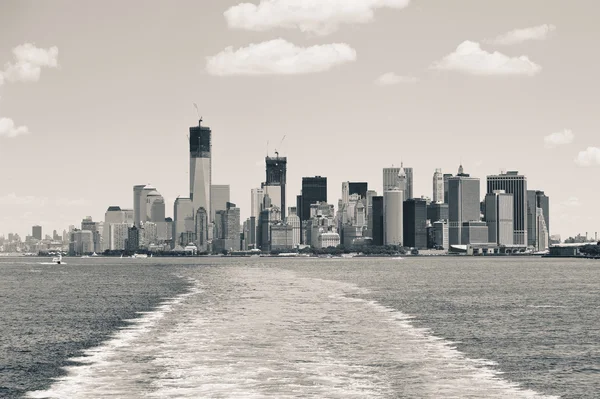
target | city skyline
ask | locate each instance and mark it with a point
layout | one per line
(70, 164)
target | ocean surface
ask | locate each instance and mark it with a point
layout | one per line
(423, 327)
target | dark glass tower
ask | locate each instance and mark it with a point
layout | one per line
(314, 189)
(359, 188)
(378, 221)
(415, 223)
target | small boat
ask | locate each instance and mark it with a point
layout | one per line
(141, 256)
(57, 259)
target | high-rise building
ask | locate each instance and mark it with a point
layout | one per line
(438, 186)
(499, 217)
(257, 196)
(463, 204)
(409, 182)
(542, 231)
(87, 224)
(133, 239)
(393, 200)
(293, 220)
(201, 167)
(184, 228)
(82, 242)
(202, 230)
(543, 202)
(314, 190)
(219, 197)
(36, 232)
(137, 201)
(349, 188)
(274, 185)
(377, 216)
(513, 183)
(446, 177)
(437, 211)
(531, 218)
(415, 223)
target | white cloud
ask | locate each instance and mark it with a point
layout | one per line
(571, 202)
(8, 128)
(69, 202)
(391, 78)
(470, 58)
(14, 199)
(29, 63)
(588, 157)
(279, 57)
(559, 138)
(516, 36)
(321, 17)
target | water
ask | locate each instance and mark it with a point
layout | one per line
(449, 327)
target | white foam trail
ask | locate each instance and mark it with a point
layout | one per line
(258, 332)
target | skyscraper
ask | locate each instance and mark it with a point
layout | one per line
(390, 180)
(36, 232)
(531, 218)
(257, 196)
(513, 183)
(446, 177)
(274, 185)
(183, 222)
(438, 186)
(314, 189)
(219, 197)
(200, 167)
(377, 221)
(393, 200)
(463, 204)
(415, 223)
(543, 202)
(137, 198)
(499, 217)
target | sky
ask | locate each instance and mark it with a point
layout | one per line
(96, 97)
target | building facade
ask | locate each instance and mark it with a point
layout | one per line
(415, 223)
(438, 186)
(463, 205)
(499, 217)
(513, 183)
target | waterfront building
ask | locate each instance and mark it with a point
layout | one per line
(499, 217)
(328, 240)
(463, 205)
(282, 237)
(441, 239)
(438, 186)
(137, 201)
(393, 200)
(184, 227)
(82, 242)
(542, 240)
(202, 226)
(543, 202)
(474, 232)
(377, 232)
(200, 168)
(415, 223)
(257, 196)
(117, 236)
(513, 183)
(133, 239)
(87, 224)
(531, 218)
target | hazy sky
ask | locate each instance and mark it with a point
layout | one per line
(96, 97)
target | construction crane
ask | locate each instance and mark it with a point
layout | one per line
(280, 143)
